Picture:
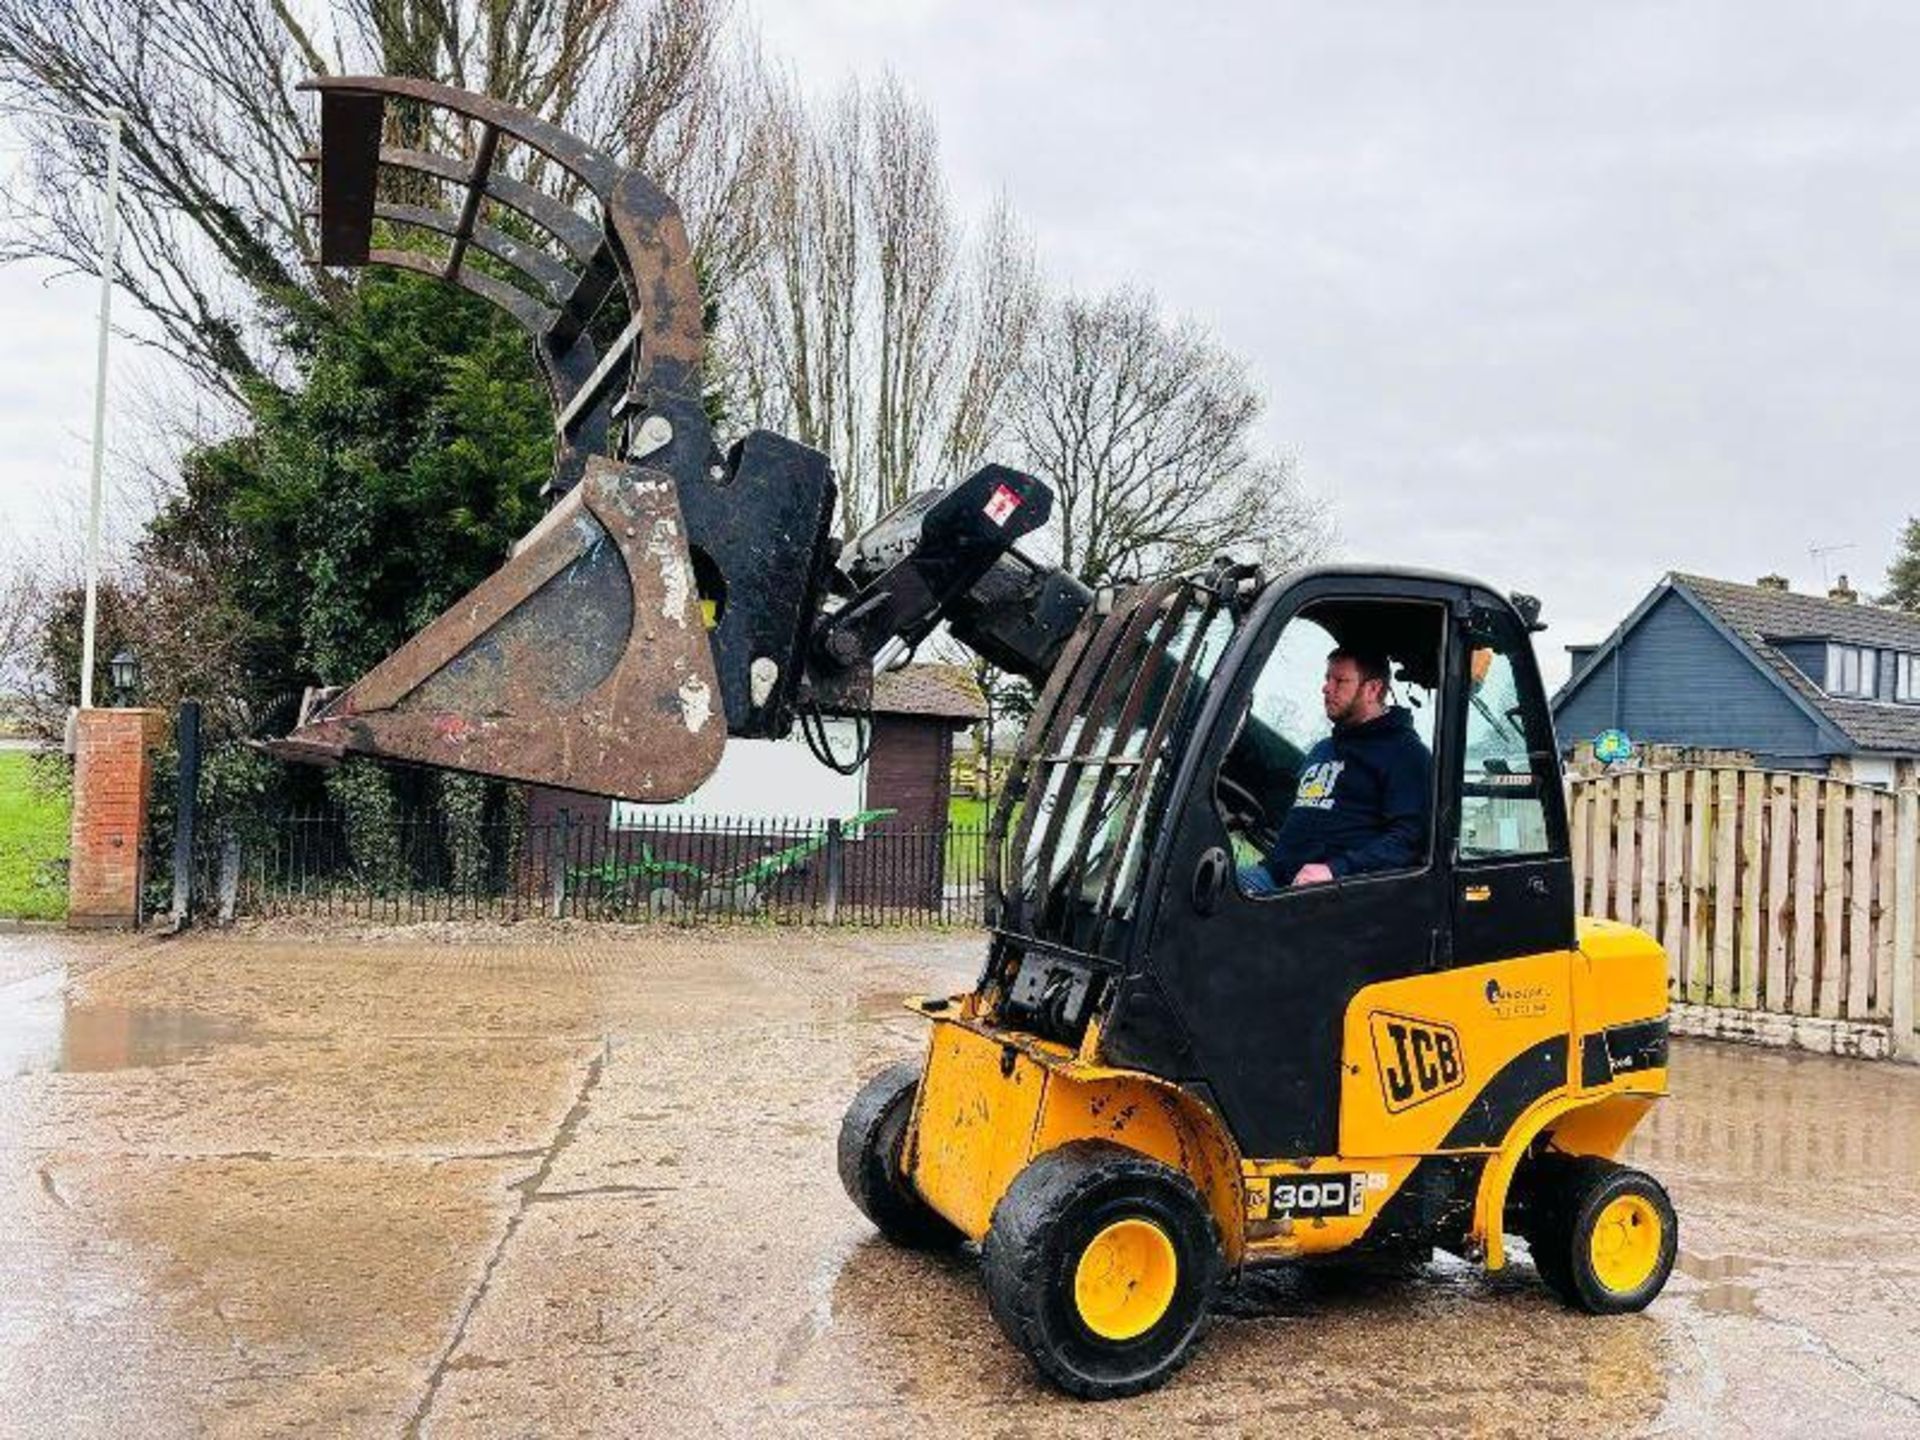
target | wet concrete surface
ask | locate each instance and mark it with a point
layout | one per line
(582, 1181)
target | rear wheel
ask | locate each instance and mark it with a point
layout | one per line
(1604, 1236)
(872, 1144)
(1102, 1265)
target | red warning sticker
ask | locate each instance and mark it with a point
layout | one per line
(1004, 502)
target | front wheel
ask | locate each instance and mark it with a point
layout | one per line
(872, 1144)
(1102, 1266)
(1605, 1237)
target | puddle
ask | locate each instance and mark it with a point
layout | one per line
(1728, 1299)
(1724, 1288)
(42, 1031)
(1784, 1118)
(810, 1327)
(1713, 1268)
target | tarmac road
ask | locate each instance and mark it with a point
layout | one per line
(524, 1181)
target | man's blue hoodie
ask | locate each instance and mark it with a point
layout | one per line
(1361, 803)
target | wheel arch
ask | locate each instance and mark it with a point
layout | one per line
(1571, 1124)
(1155, 1118)
(992, 1101)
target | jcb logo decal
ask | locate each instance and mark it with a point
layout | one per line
(1418, 1059)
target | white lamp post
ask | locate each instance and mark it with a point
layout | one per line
(109, 246)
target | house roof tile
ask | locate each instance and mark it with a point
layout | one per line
(1759, 615)
(1783, 614)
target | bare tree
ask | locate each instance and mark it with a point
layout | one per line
(877, 331)
(1000, 306)
(851, 306)
(212, 184)
(21, 607)
(917, 302)
(1147, 432)
(799, 347)
(216, 249)
(685, 108)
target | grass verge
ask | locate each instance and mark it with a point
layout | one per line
(33, 840)
(964, 812)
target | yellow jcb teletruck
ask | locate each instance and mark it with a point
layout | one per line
(1164, 1077)
(1161, 1077)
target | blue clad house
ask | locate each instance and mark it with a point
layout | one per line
(1799, 682)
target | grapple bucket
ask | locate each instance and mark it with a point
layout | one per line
(587, 662)
(583, 663)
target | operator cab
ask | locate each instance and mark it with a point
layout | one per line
(1165, 755)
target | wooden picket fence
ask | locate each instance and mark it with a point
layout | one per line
(1775, 892)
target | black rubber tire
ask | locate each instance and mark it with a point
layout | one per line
(1536, 1214)
(872, 1136)
(1039, 1230)
(1552, 1252)
(1571, 1192)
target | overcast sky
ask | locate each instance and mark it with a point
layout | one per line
(1564, 296)
(46, 388)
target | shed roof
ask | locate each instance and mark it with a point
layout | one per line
(945, 692)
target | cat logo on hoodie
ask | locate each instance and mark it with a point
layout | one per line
(1317, 784)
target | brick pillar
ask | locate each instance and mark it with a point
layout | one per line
(112, 771)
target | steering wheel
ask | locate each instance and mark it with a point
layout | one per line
(1244, 810)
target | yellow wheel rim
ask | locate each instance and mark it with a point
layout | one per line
(1625, 1244)
(1125, 1279)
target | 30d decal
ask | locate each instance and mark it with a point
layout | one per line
(1311, 1197)
(1417, 1059)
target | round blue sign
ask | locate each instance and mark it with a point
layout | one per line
(1611, 746)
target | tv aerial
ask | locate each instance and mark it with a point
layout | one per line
(1819, 553)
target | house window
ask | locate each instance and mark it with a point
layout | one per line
(1906, 678)
(1852, 670)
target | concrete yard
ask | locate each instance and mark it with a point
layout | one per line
(554, 1182)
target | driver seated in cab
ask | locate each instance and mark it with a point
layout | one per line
(1361, 801)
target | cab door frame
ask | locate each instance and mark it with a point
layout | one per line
(1244, 1001)
(1509, 906)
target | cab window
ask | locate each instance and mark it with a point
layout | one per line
(1502, 810)
(1273, 768)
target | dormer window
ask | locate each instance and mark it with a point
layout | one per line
(1852, 670)
(1906, 678)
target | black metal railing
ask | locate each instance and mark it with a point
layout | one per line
(689, 869)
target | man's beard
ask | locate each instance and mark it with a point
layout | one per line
(1351, 713)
